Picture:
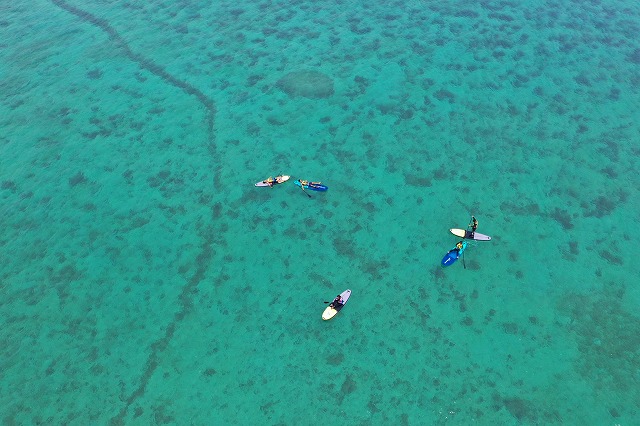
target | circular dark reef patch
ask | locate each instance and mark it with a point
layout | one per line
(308, 84)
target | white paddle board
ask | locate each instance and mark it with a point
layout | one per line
(334, 307)
(279, 179)
(463, 233)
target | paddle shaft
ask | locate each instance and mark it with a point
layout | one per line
(302, 187)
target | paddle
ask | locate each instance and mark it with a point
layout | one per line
(463, 263)
(302, 187)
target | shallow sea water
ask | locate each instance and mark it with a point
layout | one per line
(145, 280)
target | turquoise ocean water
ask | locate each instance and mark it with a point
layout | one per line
(145, 280)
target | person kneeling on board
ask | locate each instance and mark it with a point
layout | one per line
(457, 248)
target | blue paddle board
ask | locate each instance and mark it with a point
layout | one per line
(313, 187)
(453, 255)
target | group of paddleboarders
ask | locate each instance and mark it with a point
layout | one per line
(468, 234)
(303, 184)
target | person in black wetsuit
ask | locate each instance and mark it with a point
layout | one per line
(474, 226)
(337, 302)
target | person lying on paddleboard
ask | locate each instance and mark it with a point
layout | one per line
(473, 225)
(271, 181)
(308, 184)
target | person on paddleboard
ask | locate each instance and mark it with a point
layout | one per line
(271, 181)
(457, 248)
(308, 184)
(473, 225)
(337, 301)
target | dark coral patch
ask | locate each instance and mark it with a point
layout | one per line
(335, 359)
(614, 94)
(466, 13)
(275, 121)
(610, 257)
(573, 248)
(254, 79)
(582, 80)
(414, 180)
(308, 84)
(209, 372)
(562, 217)
(77, 179)
(444, 94)
(530, 209)
(362, 83)
(94, 74)
(602, 206)
(345, 247)
(634, 57)
(360, 30)
(9, 184)
(349, 385)
(501, 17)
(520, 409)
(473, 265)
(510, 327)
